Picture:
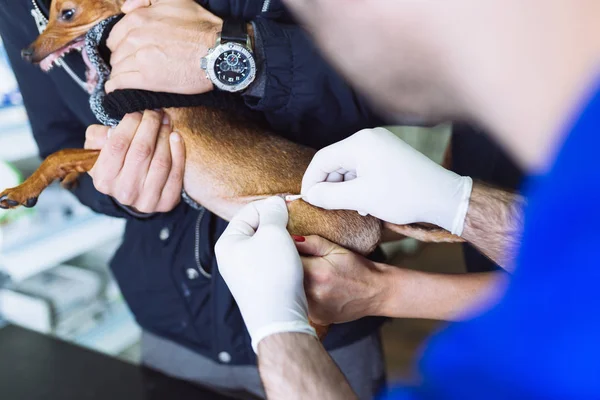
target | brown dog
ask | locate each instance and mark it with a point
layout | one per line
(230, 161)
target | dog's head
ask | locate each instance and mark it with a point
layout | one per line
(68, 23)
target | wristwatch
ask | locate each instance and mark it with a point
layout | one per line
(230, 65)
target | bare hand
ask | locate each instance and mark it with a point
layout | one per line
(158, 45)
(141, 162)
(340, 285)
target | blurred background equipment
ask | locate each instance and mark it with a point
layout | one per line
(50, 280)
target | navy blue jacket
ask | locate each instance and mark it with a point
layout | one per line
(166, 267)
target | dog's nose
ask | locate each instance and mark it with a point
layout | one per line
(27, 54)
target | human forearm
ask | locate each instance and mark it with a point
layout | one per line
(342, 286)
(494, 222)
(415, 294)
(296, 366)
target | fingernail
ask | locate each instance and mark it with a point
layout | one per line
(298, 238)
(109, 133)
(175, 137)
(166, 120)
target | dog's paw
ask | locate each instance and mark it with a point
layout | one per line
(70, 181)
(17, 196)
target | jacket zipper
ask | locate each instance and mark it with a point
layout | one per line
(40, 19)
(42, 22)
(197, 245)
(266, 5)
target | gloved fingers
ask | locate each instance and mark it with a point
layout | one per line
(335, 159)
(347, 175)
(247, 221)
(341, 175)
(244, 223)
(271, 212)
(240, 229)
(337, 196)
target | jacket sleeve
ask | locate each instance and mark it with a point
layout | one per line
(296, 83)
(53, 124)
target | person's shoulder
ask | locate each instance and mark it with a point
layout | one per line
(564, 200)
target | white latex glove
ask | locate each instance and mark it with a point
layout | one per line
(259, 262)
(374, 172)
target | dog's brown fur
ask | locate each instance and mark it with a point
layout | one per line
(229, 161)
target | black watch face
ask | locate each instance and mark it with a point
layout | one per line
(232, 67)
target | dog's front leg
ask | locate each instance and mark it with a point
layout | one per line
(64, 165)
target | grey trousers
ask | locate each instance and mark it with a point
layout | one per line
(361, 362)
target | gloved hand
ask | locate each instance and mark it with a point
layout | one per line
(259, 262)
(374, 172)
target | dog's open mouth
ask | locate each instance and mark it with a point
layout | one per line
(76, 45)
(54, 58)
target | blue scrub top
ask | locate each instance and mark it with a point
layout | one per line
(542, 341)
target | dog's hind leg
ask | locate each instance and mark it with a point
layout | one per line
(65, 165)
